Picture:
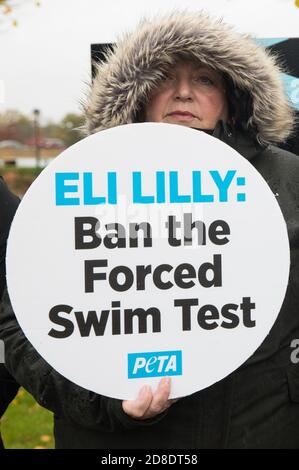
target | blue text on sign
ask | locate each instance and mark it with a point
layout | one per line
(74, 188)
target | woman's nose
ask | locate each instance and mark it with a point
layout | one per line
(183, 89)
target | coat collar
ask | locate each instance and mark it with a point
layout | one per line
(243, 141)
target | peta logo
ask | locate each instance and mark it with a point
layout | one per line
(154, 364)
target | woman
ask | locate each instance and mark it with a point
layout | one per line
(191, 70)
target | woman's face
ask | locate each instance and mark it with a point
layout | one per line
(191, 94)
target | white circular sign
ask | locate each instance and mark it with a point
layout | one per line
(144, 251)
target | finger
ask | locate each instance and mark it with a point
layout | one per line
(160, 397)
(173, 400)
(167, 405)
(137, 408)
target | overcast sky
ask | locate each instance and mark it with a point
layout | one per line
(45, 61)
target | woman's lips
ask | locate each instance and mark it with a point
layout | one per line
(181, 115)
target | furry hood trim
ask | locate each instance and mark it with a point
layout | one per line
(124, 81)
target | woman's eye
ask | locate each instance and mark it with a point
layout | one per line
(204, 79)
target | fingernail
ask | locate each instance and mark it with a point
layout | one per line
(165, 381)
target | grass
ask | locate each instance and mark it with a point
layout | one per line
(26, 425)
(34, 172)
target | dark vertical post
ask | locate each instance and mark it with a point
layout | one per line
(36, 114)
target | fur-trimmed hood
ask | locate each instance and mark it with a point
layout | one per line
(124, 81)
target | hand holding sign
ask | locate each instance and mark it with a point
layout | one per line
(156, 270)
(148, 404)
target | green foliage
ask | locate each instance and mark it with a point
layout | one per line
(66, 129)
(26, 425)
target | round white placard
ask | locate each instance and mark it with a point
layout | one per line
(144, 251)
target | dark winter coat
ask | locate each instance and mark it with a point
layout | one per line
(256, 406)
(8, 206)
